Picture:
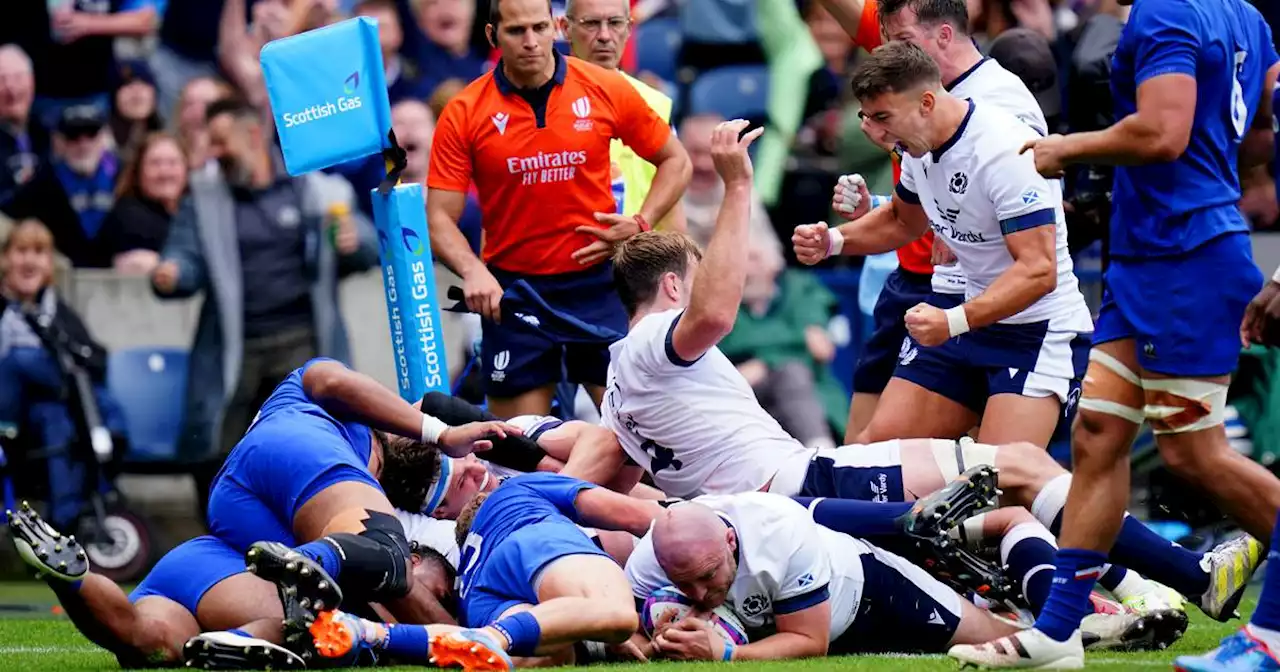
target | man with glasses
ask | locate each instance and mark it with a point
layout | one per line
(598, 31)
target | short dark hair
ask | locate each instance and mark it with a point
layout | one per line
(409, 468)
(893, 68)
(954, 13)
(642, 260)
(235, 106)
(431, 556)
(363, 6)
(495, 12)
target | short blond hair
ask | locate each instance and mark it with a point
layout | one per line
(467, 516)
(640, 262)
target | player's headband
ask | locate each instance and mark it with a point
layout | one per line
(435, 493)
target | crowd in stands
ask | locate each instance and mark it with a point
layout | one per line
(135, 133)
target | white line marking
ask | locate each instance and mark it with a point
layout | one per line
(44, 650)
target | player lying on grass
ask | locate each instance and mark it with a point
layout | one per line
(532, 583)
(201, 586)
(820, 591)
(307, 473)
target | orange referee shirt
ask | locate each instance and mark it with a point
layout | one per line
(540, 159)
(916, 256)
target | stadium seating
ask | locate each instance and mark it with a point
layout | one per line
(733, 92)
(150, 384)
(658, 47)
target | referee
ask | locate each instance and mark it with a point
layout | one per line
(533, 136)
(598, 31)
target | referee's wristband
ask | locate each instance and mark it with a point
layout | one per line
(1276, 276)
(836, 243)
(432, 429)
(957, 321)
(728, 651)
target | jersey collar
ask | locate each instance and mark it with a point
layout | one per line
(965, 75)
(507, 88)
(955, 137)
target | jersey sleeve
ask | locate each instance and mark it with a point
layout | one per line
(906, 188)
(654, 351)
(807, 579)
(643, 571)
(450, 167)
(1167, 40)
(1023, 199)
(869, 36)
(289, 392)
(561, 491)
(431, 532)
(637, 124)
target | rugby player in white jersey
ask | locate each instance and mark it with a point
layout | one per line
(1020, 341)
(683, 413)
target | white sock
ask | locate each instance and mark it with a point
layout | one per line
(1051, 499)
(1132, 585)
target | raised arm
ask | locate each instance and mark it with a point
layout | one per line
(718, 283)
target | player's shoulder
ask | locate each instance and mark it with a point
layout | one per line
(994, 131)
(754, 508)
(652, 326)
(659, 101)
(1190, 14)
(603, 82)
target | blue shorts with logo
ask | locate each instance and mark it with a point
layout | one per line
(514, 361)
(188, 571)
(902, 291)
(1184, 311)
(510, 574)
(871, 473)
(903, 609)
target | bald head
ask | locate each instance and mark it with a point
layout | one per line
(17, 85)
(689, 540)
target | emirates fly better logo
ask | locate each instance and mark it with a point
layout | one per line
(346, 102)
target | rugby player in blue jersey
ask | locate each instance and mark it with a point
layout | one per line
(1192, 83)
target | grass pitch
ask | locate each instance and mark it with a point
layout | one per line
(36, 637)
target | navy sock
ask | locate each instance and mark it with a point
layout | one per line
(856, 518)
(522, 632)
(242, 633)
(1140, 549)
(1028, 553)
(411, 643)
(324, 553)
(1267, 615)
(1112, 576)
(1068, 601)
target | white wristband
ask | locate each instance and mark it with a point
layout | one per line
(836, 244)
(432, 428)
(1276, 276)
(957, 321)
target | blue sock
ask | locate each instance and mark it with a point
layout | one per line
(1029, 559)
(411, 643)
(242, 633)
(1068, 601)
(1139, 548)
(324, 553)
(522, 632)
(856, 518)
(1267, 615)
(1112, 576)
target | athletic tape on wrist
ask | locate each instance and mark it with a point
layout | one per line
(836, 242)
(432, 428)
(957, 321)
(728, 651)
(1275, 277)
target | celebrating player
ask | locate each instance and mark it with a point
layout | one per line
(199, 586)
(598, 31)
(533, 135)
(1192, 83)
(531, 582)
(963, 176)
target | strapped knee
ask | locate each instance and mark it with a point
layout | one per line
(1112, 388)
(376, 562)
(1180, 405)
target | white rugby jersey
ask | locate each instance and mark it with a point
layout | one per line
(988, 83)
(428, 531)
(786, 562)
(975, 188)
(696, 427)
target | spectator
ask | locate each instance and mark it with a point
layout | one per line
(404, 77)
(240, 40)
(74, 193)
(443, 94)
(34, 400)
(414, 125)
(1026, 53)
(147, 198)
(23, 143)
(72, 43)
(252, 240)
(780, 345)
(189, 123)
(187, 49)
(702, 198)
(134, 113)
(447, 52)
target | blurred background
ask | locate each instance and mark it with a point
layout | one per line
(103, 128)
